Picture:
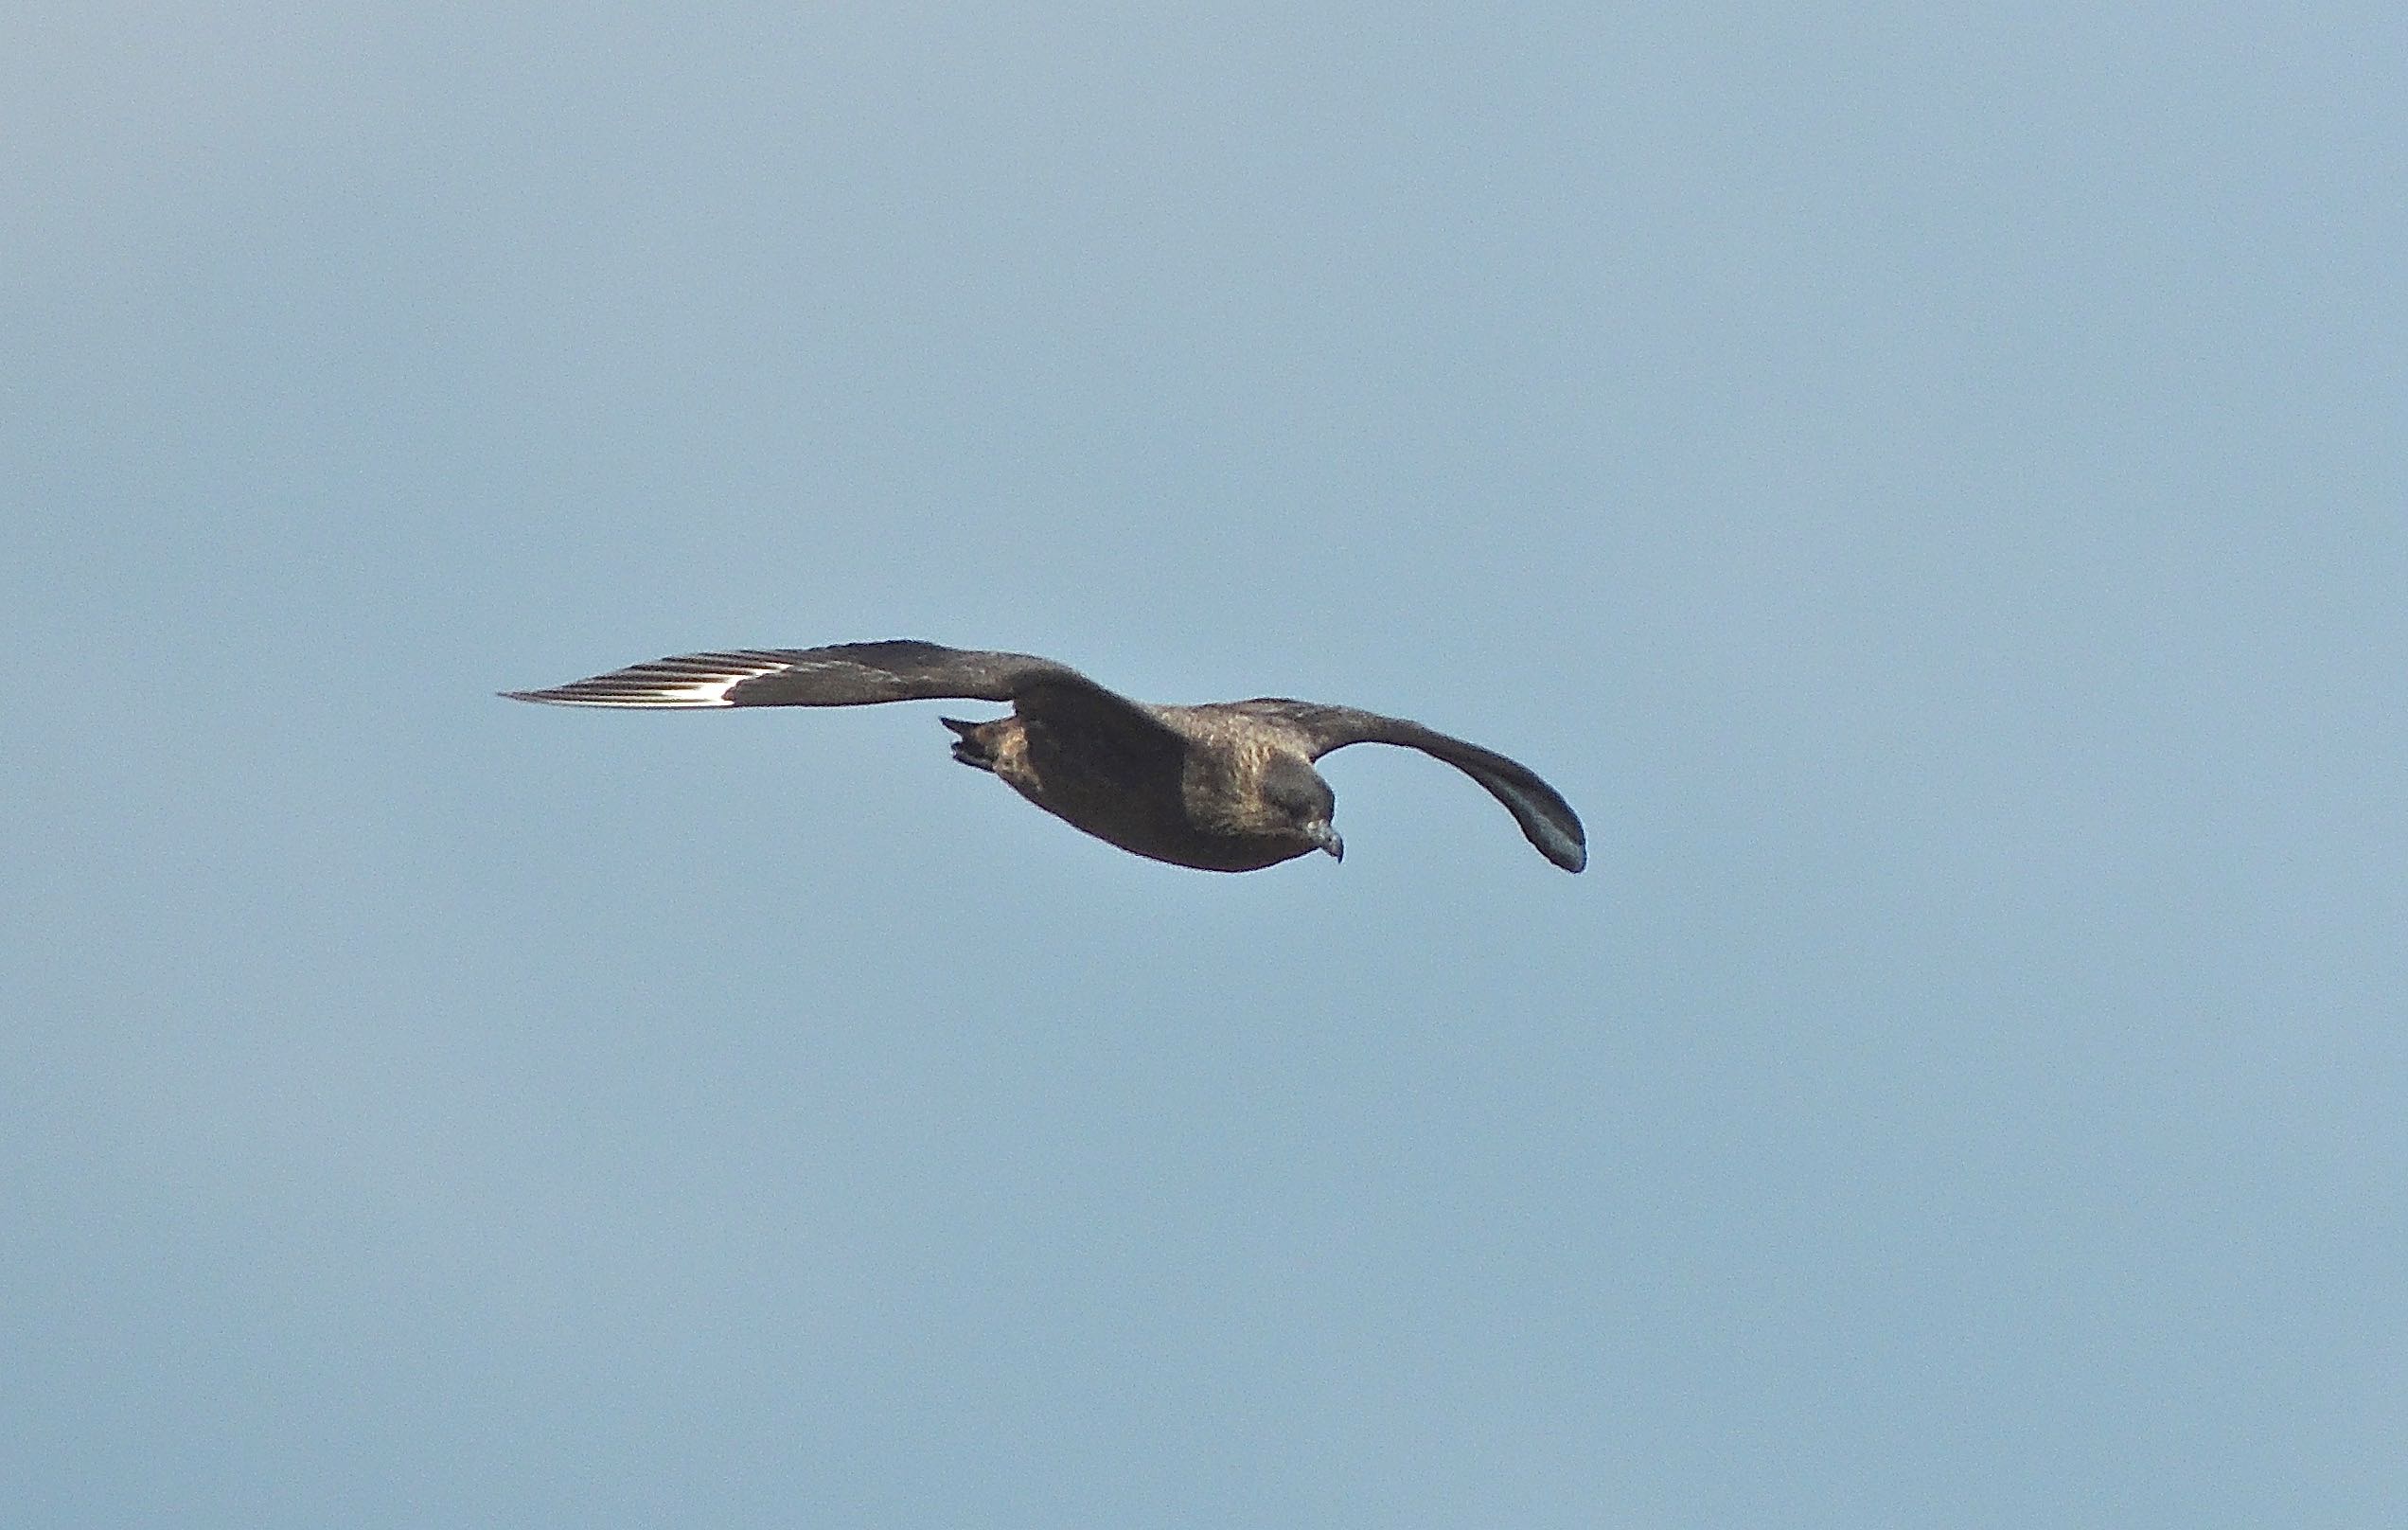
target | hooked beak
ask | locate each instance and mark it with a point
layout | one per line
(1325, 837)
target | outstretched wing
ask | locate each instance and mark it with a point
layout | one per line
(1548, 821)
(861, 674)
(845, 674)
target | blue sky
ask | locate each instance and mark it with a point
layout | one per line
(1926, 485)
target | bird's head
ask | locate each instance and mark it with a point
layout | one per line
(1301, 803)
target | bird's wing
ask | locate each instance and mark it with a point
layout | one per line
(1547, 820)
(859, 674)
(846, 674)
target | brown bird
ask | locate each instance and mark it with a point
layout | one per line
(1229, 786)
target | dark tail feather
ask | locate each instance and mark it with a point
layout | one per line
(969, 743)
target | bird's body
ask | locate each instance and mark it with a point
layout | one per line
(1192, 806)
(1228, 786)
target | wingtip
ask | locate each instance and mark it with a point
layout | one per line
(1568, 850)
(546, 698)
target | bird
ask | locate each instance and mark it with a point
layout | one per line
(1225, 786)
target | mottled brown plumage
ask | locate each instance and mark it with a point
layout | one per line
(1229, 786)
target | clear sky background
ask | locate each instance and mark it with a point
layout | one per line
(1926, 481)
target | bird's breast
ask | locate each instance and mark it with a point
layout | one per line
(1163, 808)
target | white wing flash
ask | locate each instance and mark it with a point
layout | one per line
(688, 681)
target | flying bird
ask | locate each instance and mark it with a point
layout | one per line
(1229, 786)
